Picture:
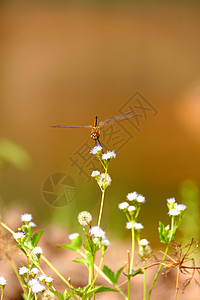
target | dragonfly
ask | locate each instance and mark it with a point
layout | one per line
(95, 129)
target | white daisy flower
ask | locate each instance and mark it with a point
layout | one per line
(31, 224)
(37, 250)
(132, 196)
(3, 281)
(26, 217)
(105, 242)
(143, 242)
(35, 271)
(49, 279)
(108, 155)
(138, 226)
(95, 173)
(32, 281)
(96, 149)
(37, 288)
(129, 225)
(173, 212)
(42, 277)
(171, 200)
(84, 218)
(180, 207)
(96, 231)
(140, 199)
(123, 205)
(101, 180)
(73, 236)
(131, 208)
(23, 270)
(18, 235)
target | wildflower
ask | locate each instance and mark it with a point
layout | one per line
(37, 250)
(31, 224)
(101, 180)
(72, 236)
(96, 149)
(138, 226)
(171, 200)
(96, 231)
(2, 281)
(26, 217)
(144, 249)
(180, 207)
(140, 199)
(109, 155)
(47, 295)
(18, 235)
(123, 205)
(132, 196)
(95, 173)
(23, 270)
(143, 242)
(173, 212)
(84, 218)
(37, 288)
(129, 225)
(131, 208)
(42, 277)
(49, 279)
(32, 281)
(35, 271)
(105, 242)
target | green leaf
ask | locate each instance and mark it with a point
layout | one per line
(90, 246)
(24, 296)
(111, 275)
(162, 233)
(82, 261)
(134, 273)
(57, 294)
(36, 237)
(117, 274)
(96, 290)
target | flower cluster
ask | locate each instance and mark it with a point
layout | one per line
(99, 235)
(175, 209)
(132, 210)
(34, 280)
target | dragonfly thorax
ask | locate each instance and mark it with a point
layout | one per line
(95, 133)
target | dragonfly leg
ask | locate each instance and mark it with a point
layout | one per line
(99, 142)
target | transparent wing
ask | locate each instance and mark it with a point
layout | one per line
(128, 115)
(62, 126)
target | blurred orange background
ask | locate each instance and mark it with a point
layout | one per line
(64, 63)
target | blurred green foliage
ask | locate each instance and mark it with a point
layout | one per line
(11, 154)
(190, 227)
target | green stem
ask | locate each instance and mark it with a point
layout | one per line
(133, 248)
(2, 289)
(102, 198)
(145, 282)
(17, 275)
(93, 282)
(158, 272)
(129, 288)
(104, 276)
(56, 271)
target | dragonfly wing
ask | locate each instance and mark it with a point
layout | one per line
(62, 126)
(128, 115)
